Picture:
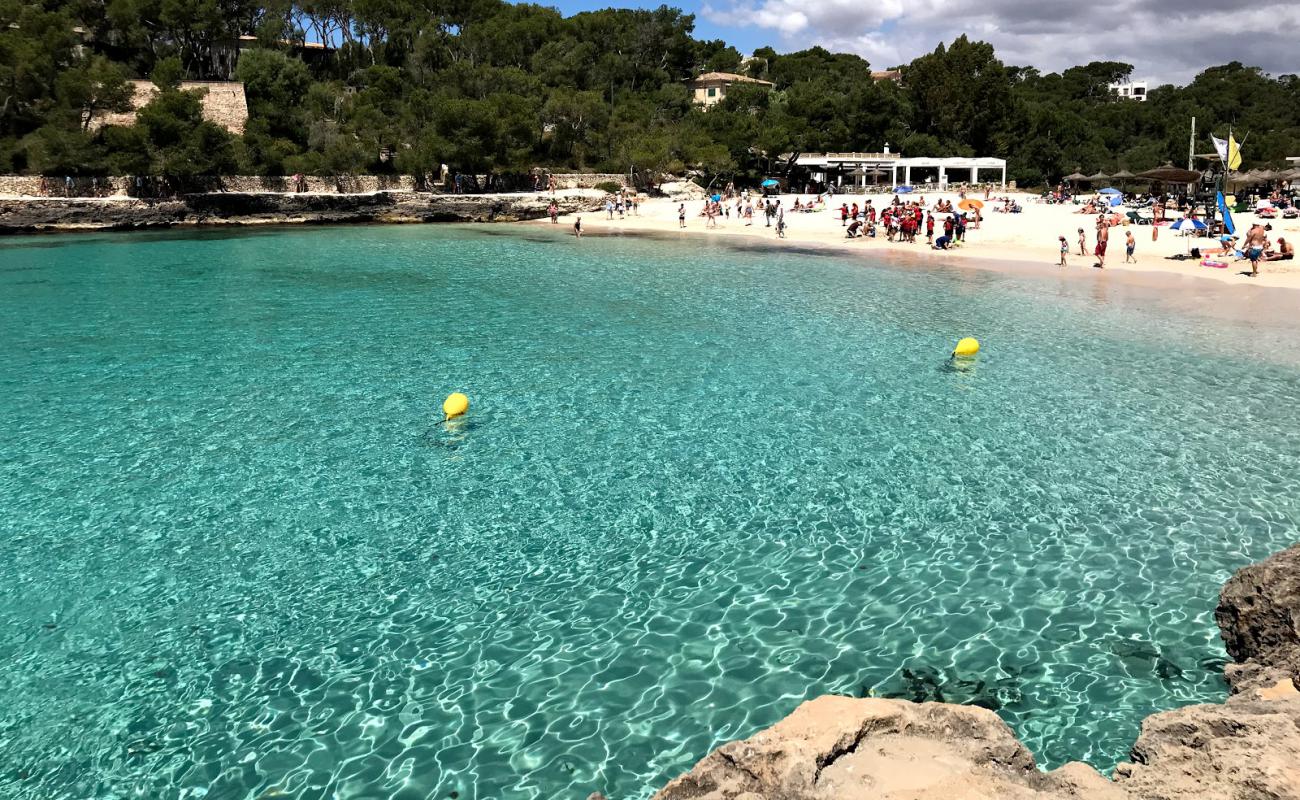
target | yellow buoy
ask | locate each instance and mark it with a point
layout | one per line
(966, 347)
(455, 405)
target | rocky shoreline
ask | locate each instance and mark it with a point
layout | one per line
(844, 748)
(34, 215)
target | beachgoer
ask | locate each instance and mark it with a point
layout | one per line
(942, 242)
(1065, 249)
(1256, 241)
(1285, 251)
(852, 232)
(554, 212)
(1129, 246)
(929, 229)
(577, 227)
(1083, 243)
(609, 207)
(681, 215)
(1103, 238)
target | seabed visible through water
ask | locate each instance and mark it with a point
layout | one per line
(241, 555)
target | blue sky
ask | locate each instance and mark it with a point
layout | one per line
(1165, 41)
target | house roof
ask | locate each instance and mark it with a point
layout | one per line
(727, 77)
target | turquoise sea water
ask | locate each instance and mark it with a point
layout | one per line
(240, 557)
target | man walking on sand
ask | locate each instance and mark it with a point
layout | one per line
(1256, 241)
(1103, 238)
(681, 215)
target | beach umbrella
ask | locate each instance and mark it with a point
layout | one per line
(1100, 177)
(1110, 190)
(902, 190)
(1290, 175)
(1075, 176)
(770, 183)
(1168, 173)
(1188, 224)
(717, 198)
(1122, 175)
(970, 205)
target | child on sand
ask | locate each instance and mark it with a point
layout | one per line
(1065, 248)
(1129, 246)
(1083, 243)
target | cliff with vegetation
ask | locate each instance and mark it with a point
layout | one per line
(841, 748)
(490, 86)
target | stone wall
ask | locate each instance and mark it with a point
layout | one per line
(223, 103)
(36, 186)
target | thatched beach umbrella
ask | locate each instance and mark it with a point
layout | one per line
(1075, 176)
(1168, 173)
(1290, 175)
(1100, 177)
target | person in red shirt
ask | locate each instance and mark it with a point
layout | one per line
(844, 214)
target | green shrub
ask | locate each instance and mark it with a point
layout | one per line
(612, 187)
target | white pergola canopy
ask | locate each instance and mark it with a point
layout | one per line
(880, 164)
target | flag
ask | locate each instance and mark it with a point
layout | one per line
(1228, 225)
(1220, 147)
(1234, 153)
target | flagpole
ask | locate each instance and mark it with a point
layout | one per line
(1191, 144)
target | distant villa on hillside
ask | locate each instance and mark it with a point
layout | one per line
(711, 87)
(1130, 90)
(895, 75)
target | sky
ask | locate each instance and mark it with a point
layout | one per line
(1166, 42)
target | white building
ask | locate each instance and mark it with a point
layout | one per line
(859, 170)
(1130, 90)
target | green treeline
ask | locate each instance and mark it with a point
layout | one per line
(484, 85)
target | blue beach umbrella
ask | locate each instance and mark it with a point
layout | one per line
(1187, 223)
(769, 182)
(903, 190)
(1110, 190)
(717, 198)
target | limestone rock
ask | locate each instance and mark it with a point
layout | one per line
(847, 748)
(252, 208)
(1248, 747)
(1259, 616)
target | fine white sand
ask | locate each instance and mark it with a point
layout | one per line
(1029, 237)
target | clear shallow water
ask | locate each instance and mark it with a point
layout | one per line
(239, 556)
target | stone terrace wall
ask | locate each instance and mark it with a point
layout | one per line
(224, 103)
(32, 185)
(582, 180)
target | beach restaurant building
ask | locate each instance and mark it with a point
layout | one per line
(850, 171)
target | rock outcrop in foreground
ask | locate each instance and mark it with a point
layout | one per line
(854, 749)
(30, 215)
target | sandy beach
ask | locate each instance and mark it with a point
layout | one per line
(1028, 238)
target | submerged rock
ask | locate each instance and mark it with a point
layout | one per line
(859, 748)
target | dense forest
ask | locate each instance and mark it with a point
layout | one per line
(406, 85)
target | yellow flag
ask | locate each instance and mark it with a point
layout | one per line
(1234, 153)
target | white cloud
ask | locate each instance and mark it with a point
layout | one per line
(1170, 43)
